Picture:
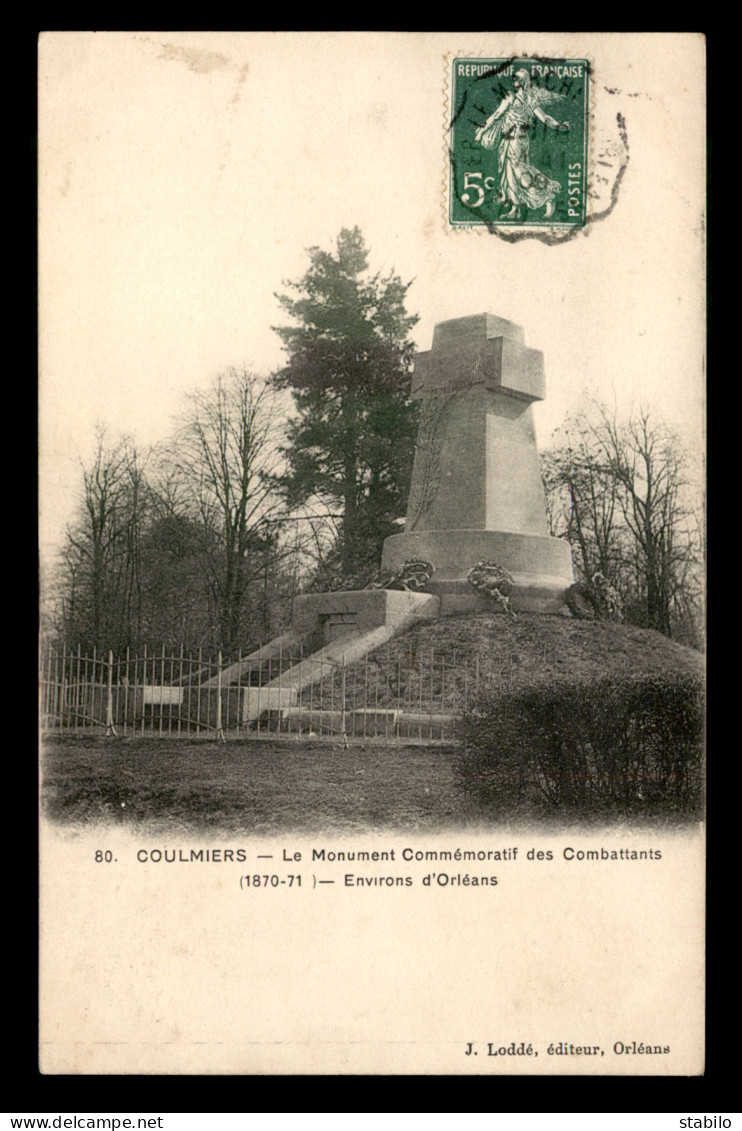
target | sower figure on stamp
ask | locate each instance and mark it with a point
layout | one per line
(521, 183)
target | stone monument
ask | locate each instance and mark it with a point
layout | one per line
(476, 497)
(476, 491)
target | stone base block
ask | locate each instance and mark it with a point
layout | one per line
(541, 566)
(353, 613)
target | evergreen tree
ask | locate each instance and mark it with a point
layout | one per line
(349, 363)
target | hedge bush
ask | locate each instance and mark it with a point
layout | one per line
(632, 747)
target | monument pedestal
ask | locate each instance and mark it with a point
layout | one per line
(541, 566)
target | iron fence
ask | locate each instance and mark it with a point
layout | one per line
(390, 695)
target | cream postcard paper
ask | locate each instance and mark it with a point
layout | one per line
(555, 182)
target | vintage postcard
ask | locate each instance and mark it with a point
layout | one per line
(372, 478)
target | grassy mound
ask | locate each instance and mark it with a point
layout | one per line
(534, 646)
(449, 660)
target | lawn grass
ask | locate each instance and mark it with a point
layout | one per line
(252, 787)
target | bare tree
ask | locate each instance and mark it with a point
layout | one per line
(221, 469)
(582, 501)
(647, 462)
(99, 580)
(619, 492)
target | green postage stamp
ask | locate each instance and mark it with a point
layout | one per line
(518, 143)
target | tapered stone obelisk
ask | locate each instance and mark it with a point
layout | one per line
(476, 491)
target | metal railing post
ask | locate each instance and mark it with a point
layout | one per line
(110, 728)
(342, 705)
(219, 730)
(63, 687)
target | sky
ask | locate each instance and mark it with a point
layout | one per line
(183, 176)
